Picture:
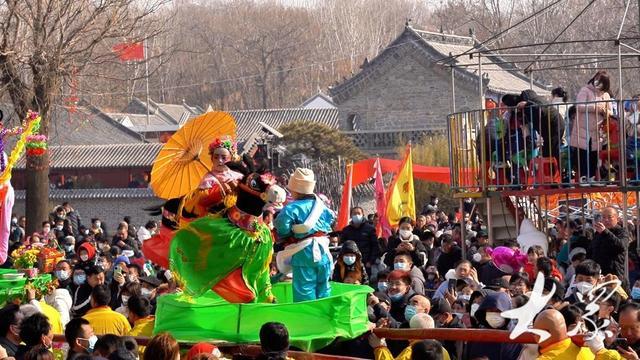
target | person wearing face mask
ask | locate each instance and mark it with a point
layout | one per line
(584, 136)
(69, 245)
(86, 280)
(46, 233)
(364, 235)
(350, 263)
(10, 319)
(403, 261)
(86, 255)
(81, 339)
(399, 293)
(128, 290)
(35, 330)
(488, 317)
(586, 278)
(635, 291)
(406, 241)
(16, 232)
(418, 304)
(63, 274)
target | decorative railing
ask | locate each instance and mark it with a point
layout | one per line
(573, 145)
(388, 140)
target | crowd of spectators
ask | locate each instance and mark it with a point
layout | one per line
(106, 293)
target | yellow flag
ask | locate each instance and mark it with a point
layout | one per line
(401, 199)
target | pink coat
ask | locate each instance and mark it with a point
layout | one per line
(585, 126)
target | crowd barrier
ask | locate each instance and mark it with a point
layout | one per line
(466, 335)
(549, 146)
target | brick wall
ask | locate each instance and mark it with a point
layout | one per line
(110, 211)
(408, 92)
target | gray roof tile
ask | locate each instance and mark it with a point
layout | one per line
(115, 193)
(101, 156)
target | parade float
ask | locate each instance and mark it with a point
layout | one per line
(219, 249)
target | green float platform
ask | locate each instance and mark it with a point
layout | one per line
(311, 324)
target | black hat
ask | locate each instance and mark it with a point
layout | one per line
(497, 284)
(151, 280)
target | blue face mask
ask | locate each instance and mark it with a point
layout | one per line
(396, 297)
(383, 286)
(635, 293)
(79, 279)
(409, 312)
(357, 219)
(349, 260)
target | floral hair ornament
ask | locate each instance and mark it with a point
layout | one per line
(224, 142)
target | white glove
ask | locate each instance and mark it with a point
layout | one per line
(595, 341)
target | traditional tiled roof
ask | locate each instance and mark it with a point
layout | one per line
(88, 125)
(164, 114)
(248, 121)
(101, 156)
(74, 194)
(435, 48)
(503, 78)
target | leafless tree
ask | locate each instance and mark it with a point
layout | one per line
(44, 43)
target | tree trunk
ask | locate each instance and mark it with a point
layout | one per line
(37, 202)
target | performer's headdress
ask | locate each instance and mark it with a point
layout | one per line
(224, 142)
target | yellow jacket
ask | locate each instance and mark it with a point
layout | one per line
(103, 320)
(566, 349)
(54, 317)
(383, 353)
(143, 327)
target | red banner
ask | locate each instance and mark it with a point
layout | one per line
(129, 51)
(364, 170)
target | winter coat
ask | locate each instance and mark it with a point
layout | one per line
(494, 351)
(357, 270)
(366, 239)
(61, 300)
(585, 125)
(608, 248)
(546, 120)
(418, 255)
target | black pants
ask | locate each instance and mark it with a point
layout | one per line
(583, 162)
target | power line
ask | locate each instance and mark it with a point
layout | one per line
(560, 34)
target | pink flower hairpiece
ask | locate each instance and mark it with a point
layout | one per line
(268, 179)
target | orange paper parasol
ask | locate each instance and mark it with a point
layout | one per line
(184, 159)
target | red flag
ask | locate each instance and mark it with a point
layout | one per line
(345, 202)
(129, 51)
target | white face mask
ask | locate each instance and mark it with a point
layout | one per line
(474, 308)
(59, 227)
(583, 287)
(405, 234)
(145, 292)
(495, 320)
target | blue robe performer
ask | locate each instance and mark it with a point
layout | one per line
(304, 223)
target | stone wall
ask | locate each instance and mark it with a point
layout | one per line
(110, 211)
(408, 92)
